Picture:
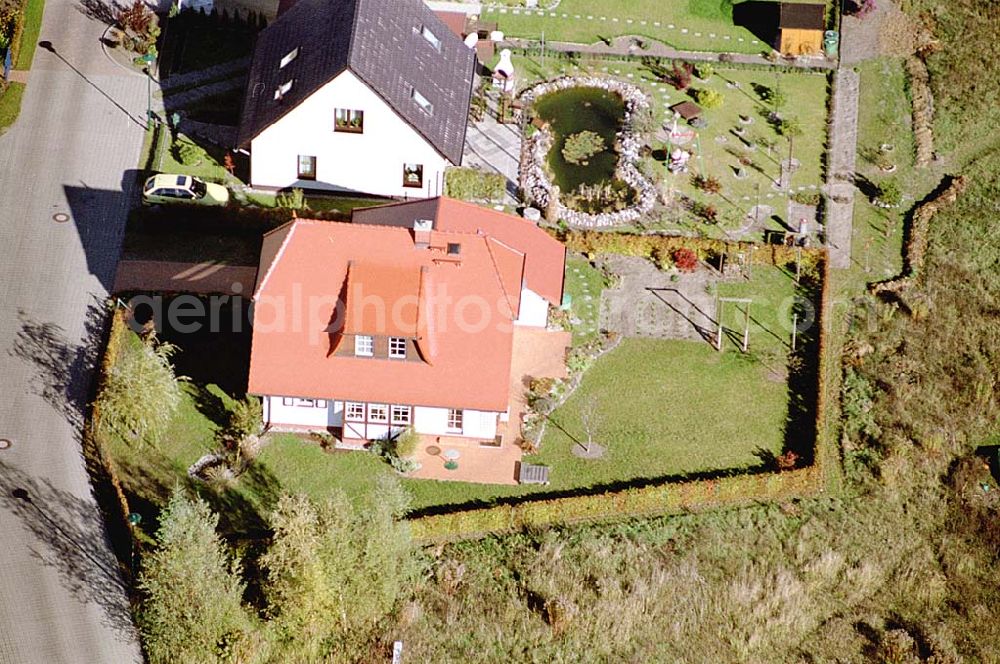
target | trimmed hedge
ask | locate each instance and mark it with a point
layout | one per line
(647, 501)
(592, 243)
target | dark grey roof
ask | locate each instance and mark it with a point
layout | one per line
(380, 42)
(801, 16)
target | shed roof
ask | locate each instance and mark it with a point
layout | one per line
(801, 16)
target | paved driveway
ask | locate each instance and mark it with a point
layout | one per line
(61, 598)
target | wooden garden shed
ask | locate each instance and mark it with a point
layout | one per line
(800, 29)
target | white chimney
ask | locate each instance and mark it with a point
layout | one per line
(422, 232)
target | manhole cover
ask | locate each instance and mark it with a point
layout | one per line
(60, 217)
(5, 443)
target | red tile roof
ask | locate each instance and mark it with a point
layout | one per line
(457, 305)
(545, 257)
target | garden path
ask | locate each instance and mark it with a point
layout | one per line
(839, 185)
(624, 46)
(495, 148)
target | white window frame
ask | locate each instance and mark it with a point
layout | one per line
(287, 60)
(303, 403)
(313, 164)
(397, 354)
(456, 416)
(348, 114)
(422, 101)
(431, 38)
(405, 413)
(364, 345)
(374, 408)
(354, 405)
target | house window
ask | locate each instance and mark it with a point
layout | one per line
(364, 345)
(454, 419)
(283, 89)
(430, 37)
(397, 347)
(354, 411)
(303, 403)
(285, 61)
(350, 121)
(413, 175)
(378, 413)
(401, 415)
(422, 101)
(307, 167)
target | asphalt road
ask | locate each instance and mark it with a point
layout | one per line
(62, 215)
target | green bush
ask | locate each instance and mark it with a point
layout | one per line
(703, 70)
(291, 200)
(187, 153)
(708, 98)
(245, 419)
(472, 184)
(582, 146)
(890, 193)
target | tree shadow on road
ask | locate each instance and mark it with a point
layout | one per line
(63, 367)
(66, 533)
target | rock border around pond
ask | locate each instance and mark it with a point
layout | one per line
(535, 181)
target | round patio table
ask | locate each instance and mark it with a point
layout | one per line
(433, 450)
(451, 454)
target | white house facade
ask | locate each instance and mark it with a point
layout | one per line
(365, 96)
(345, 137)
(359, 421)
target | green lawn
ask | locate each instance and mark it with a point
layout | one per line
(582, 279)
(878, 233)
(716, 147)
(33, 10)
(665, 408)
(10, 105)
(697, 25)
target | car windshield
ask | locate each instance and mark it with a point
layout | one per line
(150, 183)
(198, 187)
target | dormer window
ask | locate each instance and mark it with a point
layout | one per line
(431, 38)
(283, 89)
(287, 60)
(422, 101)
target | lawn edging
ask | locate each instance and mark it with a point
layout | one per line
(29, 25)
(107, 487)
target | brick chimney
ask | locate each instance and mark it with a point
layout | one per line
(422, 232)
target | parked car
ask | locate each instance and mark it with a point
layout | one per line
(167, 188)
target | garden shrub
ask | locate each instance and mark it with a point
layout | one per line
(187, 153)
(807, 197)
(245, 419)
(890, 193)
(473, 184)
(710, 183)
(580, 147)
(704, 70)
(291, 200)
(789, 126)
(601, 197)
(708, 98)
(685, 260)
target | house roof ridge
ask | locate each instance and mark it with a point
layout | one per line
(499, 276)
(277, 256)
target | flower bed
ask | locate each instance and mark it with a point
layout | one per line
(536, 182)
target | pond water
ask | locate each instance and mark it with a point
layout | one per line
(574, 110)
